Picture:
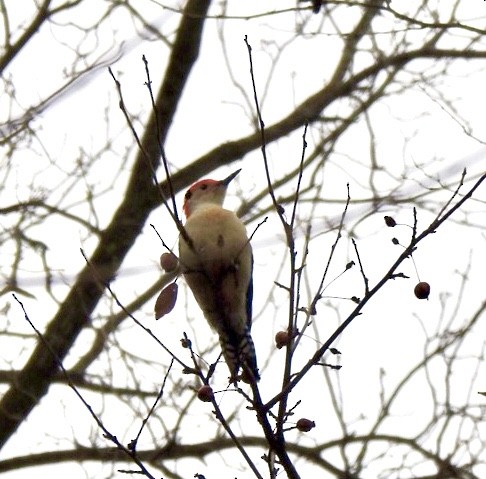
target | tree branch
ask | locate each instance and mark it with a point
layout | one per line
(139, 200)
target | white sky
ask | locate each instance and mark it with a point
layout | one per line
(389, 334)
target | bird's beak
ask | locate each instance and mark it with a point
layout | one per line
(228, 180)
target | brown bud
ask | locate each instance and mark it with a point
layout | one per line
(169, 262)
(205, 393)
(186, 343)
(305, 425)
(422, 290)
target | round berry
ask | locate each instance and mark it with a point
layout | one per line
(169, 262)
(305, 425)
(282, 339)
(422, 290)
(205, 393)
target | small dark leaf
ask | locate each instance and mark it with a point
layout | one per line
(166, 300)
(350, 265)
(334, 351)
(390, 222)
(395, 241)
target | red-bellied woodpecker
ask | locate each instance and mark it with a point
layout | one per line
(217, 265)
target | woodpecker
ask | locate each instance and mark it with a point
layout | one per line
(217, 264)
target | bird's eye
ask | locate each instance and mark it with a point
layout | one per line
(188, 195)
(204, 187)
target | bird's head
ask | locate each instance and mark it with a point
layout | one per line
(206, 191)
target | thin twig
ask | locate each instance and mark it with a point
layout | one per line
(276, 205)
(299, 178)
(194, 357)
(365, 279)
(148, 84)
(456, 191)
(390, 274)
(133, 443)
(130, 315)
(172, 213)
(321, 287)
(276, 440)
(107, 434)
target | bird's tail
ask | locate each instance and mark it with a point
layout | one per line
(239, 351)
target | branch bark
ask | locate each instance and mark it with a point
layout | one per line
(141, 197)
